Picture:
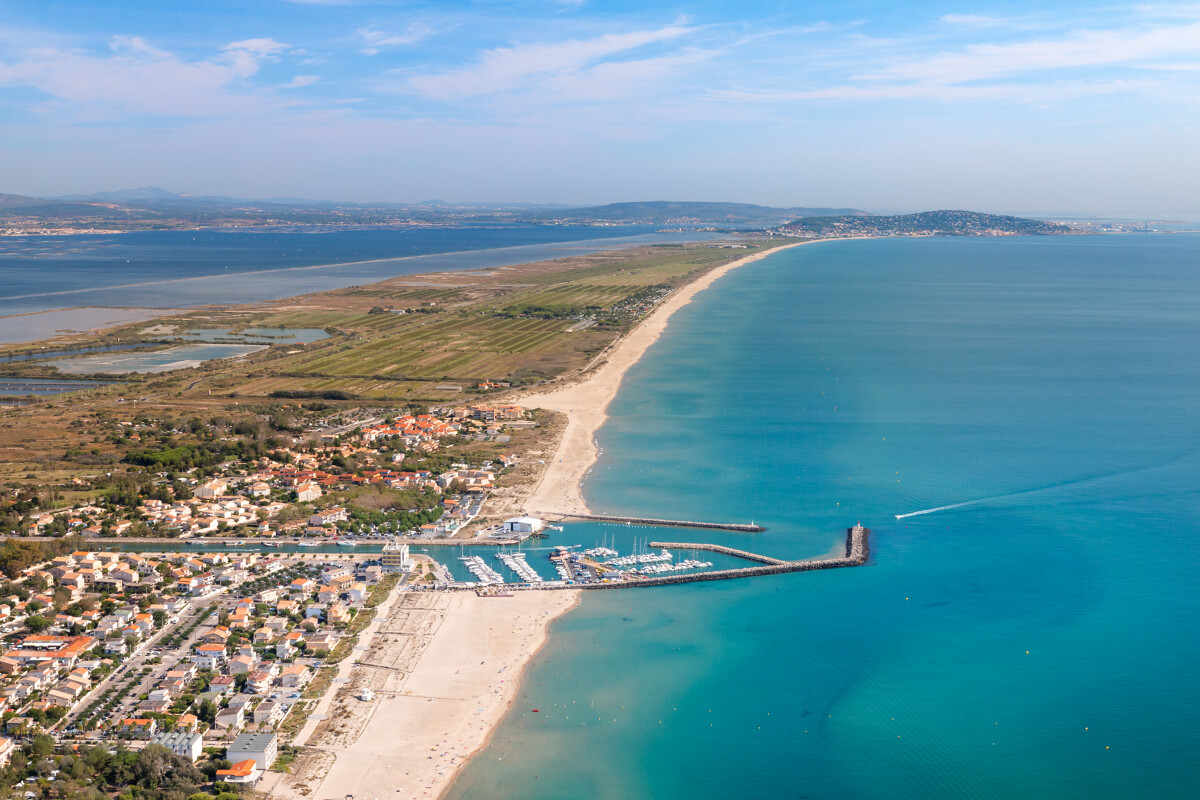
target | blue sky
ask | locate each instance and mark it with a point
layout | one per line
(884, 106)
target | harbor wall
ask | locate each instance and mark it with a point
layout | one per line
(718, 548)
(857, 553)
(671, 523)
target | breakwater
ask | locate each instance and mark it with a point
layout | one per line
(857, 552)
(718, 548)
(671, 523)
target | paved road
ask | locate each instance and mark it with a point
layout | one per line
(136, 662)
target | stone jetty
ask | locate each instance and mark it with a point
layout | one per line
(857, 552)
(671, 523)
(718, 548)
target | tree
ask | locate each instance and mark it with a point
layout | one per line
(160, 618)
(37, 624)
(152, 766)
(207, 712)
(42, 746)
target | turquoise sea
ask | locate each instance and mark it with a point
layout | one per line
(1040, 641)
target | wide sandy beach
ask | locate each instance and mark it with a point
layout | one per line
(444, 667)
(585, 401)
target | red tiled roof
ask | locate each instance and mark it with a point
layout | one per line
(242, 769)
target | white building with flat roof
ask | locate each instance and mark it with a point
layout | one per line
(395, 558)
(523, 525)
(261, 748)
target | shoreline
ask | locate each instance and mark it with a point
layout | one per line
(74, 319)
(446, 669)
(585, 401)
(514, 688)
(618, 245)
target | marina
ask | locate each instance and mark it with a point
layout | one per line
(517, 563)
(479, 568)
(604, 568)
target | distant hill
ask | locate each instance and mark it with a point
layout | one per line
(661, 212)
(140, 195)
(19, 201)
(926, 223)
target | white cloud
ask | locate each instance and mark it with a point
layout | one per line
(137, 77)
(520, 66)
(615, 79)
(1174, 11)
(247, 55)
(976, 20)
(374, 40)
(1181, 66)
(300, 81)
(1041, 93)
(1080, 49)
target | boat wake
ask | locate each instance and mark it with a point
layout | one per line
(1186, 459)
(945, 508)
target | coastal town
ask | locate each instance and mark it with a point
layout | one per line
(248, 594)
(214, 656)
(332, 485)
(204, 655)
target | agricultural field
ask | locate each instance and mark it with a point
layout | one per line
(400, 339)
(426, 339)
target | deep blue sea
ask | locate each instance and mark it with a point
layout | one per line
(186, 268)
(1040, 640)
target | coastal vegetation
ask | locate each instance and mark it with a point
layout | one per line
(926, 223)
(491, 331)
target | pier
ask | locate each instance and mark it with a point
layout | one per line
(857, 552)
(670, 523)
(717, 548)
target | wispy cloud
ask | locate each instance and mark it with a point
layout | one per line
(1173, 11)
(1079, 49)
(1077, 64)
(246, 56)
(300, 81)
(520, 66)
(137, 77)
(976, 20)
(372, 41)
(1049, 92)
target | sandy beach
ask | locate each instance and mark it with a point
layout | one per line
(444, 667)
(586, 400)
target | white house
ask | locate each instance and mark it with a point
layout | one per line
(183, 743)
